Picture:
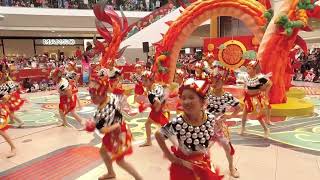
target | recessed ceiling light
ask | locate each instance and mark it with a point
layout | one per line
(52, 31)
(59, 35)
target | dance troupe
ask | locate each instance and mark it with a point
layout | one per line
(201, 103)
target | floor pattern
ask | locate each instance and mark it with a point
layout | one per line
(297, 133)
(57, 165)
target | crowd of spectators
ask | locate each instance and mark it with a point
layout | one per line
(126, 5)
(38, 61)
(307, 66)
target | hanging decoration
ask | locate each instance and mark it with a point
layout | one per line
(232, 55)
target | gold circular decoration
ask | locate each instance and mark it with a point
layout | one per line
(232, 55)
(210, 47)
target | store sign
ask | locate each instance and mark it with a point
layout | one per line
(57, 42)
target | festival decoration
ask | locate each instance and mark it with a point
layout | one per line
(280, 37)
(109, 48)
(231, 56)
(210, 47)
(249, 11)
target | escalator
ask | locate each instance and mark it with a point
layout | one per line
(148, 29)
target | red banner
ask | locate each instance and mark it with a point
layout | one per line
(40, 74)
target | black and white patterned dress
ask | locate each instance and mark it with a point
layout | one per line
(8, 87)
(71, 75)
(110, 114)
(157, 91)
(15, 101)
(136, 78)
(191, 138)
(118, 141)
(4, 90)
(254, 83)
(218, 105)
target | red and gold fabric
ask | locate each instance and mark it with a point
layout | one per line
(160, 117)
(67, 104)
(15, 101)
(201, 168)
(4, 117)
(74, 88)
(256, 103)
(138, 89)
(118, 142)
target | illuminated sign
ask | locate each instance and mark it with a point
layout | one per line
(58, 42)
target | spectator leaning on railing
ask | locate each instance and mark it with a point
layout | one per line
(126, 5)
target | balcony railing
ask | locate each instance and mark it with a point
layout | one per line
(126, 5)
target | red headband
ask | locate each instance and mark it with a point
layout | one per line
(103, 83)
(199, 86)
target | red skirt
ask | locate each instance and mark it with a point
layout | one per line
(138, 89)
(159, 117)
(74, 87)
(256, 102)
(118, 142)
(67, 104)
(4, 115)
(15, 101)
(201, 168)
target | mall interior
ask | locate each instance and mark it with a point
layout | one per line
(264, 53)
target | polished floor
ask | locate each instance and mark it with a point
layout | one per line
(45, 151)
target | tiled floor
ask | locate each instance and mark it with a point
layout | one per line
(263, 163)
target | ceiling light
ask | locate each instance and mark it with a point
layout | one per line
(52, 31)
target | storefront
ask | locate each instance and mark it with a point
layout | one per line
(28, 47)
(57, 47)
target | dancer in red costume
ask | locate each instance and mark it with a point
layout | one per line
(4, 120)
(136, 77)
(108, 119)
(12, 100)
(4, 116)
(156, 96)
(195, 131)
(67, 97)
(72, 76)
(218, 103)
(199, 71)
(257, 88)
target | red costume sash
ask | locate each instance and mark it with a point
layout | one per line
(201, 168)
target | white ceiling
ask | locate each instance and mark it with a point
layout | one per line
(18, 21)
(36, 22)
